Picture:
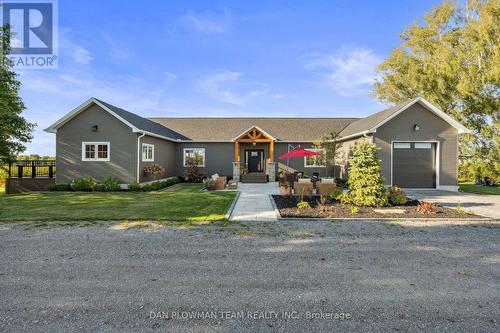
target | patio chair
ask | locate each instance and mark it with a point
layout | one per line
(220, 182)
(325, 186)
(303, 187)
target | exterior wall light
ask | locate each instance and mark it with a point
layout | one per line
(254, 143)
(94, 128)
(416, 128)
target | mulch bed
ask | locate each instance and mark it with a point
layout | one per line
(287, 206)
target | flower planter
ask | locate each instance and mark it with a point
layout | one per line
(284, 190)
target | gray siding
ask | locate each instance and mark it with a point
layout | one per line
(164, 154)
(345, 154)
(218, 157)
(69, 140)
(432, 127)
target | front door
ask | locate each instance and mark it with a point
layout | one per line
(255, 160)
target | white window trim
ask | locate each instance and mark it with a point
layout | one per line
(193, 148)
(313, 166)
(437, 161)
(96, 159)
(148, 145)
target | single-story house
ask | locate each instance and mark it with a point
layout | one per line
(418, 144)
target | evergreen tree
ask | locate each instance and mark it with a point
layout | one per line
(366, 184)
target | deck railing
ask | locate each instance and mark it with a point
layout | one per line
(30, 168)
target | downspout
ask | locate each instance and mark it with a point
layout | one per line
(139, 155)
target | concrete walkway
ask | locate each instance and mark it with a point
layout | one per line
(254, 203)
(485, 205)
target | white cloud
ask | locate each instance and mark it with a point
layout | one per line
(77, 53)
(229, 87)
(117, 51)
(278, 96)
(348, 72)
(206, 23)
(170, 77)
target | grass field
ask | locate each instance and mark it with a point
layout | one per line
(478, 189)
(185, 202)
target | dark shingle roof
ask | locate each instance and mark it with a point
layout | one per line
(364, 124)
(226, 129)
(143, 123)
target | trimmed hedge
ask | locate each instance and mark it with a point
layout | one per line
(111, 184)
(59, 187)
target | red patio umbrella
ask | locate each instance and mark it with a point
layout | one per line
(298, 152)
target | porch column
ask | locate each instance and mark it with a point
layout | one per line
(271, 151)
(236, 151)
(271, 171)
(236, 171)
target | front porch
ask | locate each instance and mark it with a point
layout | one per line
(254, 157)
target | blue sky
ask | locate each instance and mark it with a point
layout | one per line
(210, 58)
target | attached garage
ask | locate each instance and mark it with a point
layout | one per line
(414, 164)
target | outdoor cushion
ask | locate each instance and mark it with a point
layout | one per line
(327, 180)
(304, 180)
(215, 176)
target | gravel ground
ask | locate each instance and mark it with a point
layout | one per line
(380, 276)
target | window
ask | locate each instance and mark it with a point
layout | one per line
(95, 151)
(401, 145)
(423, 145)
(194, 156)
(148, 152)
(315, 161)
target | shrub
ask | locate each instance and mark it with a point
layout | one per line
(83, 184)
(111, 184)
(426, 208)
(396, 196)
(99, 187)
(59, 187)
(154, 169)
(303, 204)
(194, 174)
(468, 171)
(135, 187)
(354, 210)
(341, 181)
(158, 185)
(335, 194)
(366, 184)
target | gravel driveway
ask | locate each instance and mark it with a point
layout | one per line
(259, 276)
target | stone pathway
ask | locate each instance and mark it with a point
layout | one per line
(485, 205)
(254, 203)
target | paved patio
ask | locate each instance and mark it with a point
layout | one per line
(254, 202)
(485, 205)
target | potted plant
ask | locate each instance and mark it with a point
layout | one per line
(285, 188)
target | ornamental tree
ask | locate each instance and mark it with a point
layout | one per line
(366, 183)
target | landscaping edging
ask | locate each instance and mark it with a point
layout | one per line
(326, 219)
(231, 208)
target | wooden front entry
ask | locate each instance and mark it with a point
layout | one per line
(254, 158)
(254, 135)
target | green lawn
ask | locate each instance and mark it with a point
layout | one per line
(478, 189)
(184, 202)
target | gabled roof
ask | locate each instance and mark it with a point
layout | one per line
(136, 123)
(281, 129)
(269, 136)
(371, 123)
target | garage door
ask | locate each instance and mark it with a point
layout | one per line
(414, 164)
